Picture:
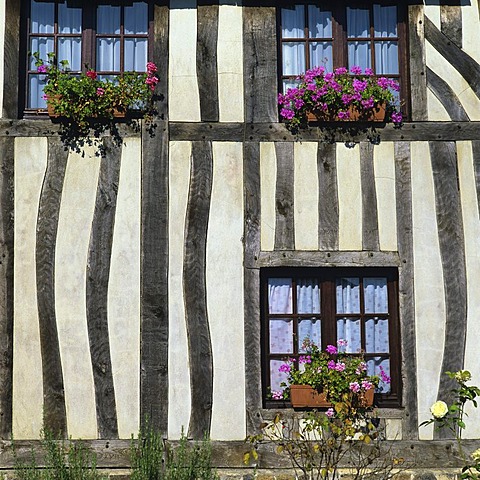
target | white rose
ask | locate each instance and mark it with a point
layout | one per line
(439, 409)
(476, 454)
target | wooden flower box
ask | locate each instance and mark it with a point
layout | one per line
(306, 396)
(376, 114)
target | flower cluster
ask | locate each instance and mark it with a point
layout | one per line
(336, 95)
(333, 371)
(85, 99)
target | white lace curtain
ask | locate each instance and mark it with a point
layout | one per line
(348, 328)
(70, 48)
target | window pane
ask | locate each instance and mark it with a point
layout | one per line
(42, 45)
(35, 91)
(281, 335)
(358, 22)
(348, 295)
(276, 377)
(375, 367)
(359, 54)
(376, 296)
(293, 58)
(319, 23)
(386, 58)
(69, 19)
(42, 17)
(135, 54)
(349, 329)
(108, 54)
(311, 329)
(385, 20)
(290, 83)
(108, 19)
(376, 336)
(293, 22)
(308, 296)
(280, 295)
(136, 18)
(70, 49)
(321, 55)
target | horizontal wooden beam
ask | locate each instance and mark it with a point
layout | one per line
(417, 454)
(274, 132)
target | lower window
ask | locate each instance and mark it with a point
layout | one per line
(358, 305)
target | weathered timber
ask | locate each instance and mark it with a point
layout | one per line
(6, 284)
(326, 259)
(54, 409)
(451, 23)
(275, 132)
(194, 290)
(418, 80)
(207, 71)
(476, 168)
(284, 198)
(328, 216)
(154, 280)
(252, 208)
(452, 251)
(98, 273)
(468, 68)
(447, 97)
(260, 63)
(403, 193)
(160, 56)
(229, 454)
(370, 238)
(11, 49)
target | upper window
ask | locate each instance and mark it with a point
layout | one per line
(343, 34)
(326, 305)
(110, 38)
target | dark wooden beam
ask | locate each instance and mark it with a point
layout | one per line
(451, 23)
(6, 283)
(98, 273)
(160, 49)
(54, 409)
(195, 290)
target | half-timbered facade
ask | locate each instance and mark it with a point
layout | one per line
(138, 284)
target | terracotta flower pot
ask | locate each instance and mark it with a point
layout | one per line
(306, 396)
(375, 114)
(50, 107)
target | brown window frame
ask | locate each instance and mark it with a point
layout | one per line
(327, 277)
(88, 37)
(340, 40)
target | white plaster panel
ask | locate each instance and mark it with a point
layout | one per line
(429, 292)
(178, 370)
(184, 101)
(393, 429)
(470, 29)
(433, 13)
(349, 197)
(30, 166)
(384, 167)
(71, 255)
(462, 89)
(230, 62)
(268, 181)
(124, 292)
(436, 111)
(306, 196)
(2, 49)
(224, 278)
(471, 226)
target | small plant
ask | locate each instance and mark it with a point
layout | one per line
(335, 95)
(339, 375)
(86, 104)
(319, 446)
(64, 460)
(154, 459)
(453, 418)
